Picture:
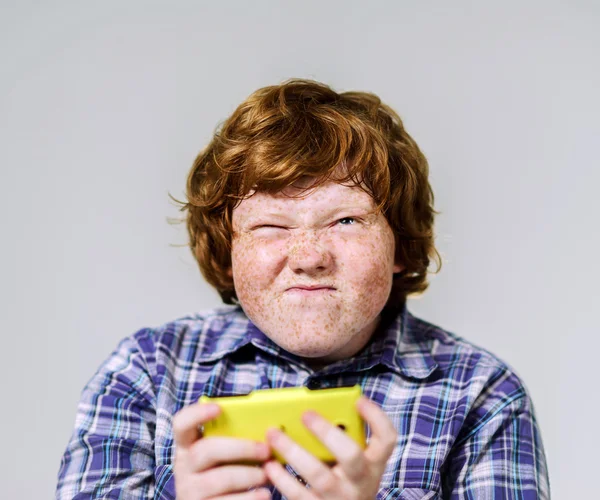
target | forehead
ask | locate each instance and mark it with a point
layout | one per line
(303, 197)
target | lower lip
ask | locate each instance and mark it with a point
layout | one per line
(307, 292)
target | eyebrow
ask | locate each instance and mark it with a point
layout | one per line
(327, 214)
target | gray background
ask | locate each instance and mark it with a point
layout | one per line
(104, 105)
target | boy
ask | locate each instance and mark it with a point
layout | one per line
(312, 215)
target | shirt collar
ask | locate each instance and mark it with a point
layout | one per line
(400, 343)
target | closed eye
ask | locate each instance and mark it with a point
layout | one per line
(269, 230)
(273, 226)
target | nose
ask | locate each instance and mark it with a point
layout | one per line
(308, 255)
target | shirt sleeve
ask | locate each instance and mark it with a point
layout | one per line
(502, 456)
(111, 452)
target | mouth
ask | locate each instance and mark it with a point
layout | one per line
(310, 290)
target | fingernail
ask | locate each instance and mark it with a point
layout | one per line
(309, 417)
(262, 450)
(211, 407)
(362, 402)
(269, 466)
(262, 493)
(273, 435)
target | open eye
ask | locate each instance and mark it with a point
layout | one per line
(347, 221)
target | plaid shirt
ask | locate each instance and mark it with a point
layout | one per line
(466, 424)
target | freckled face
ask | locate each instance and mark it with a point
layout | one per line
(313, 273)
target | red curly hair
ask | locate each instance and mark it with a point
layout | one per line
(302, 128)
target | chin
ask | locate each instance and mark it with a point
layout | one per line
(311, 344)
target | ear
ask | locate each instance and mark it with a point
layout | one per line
(229, 272)
(398, 268)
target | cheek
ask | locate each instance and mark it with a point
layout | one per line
(254, 263)
(369, 266)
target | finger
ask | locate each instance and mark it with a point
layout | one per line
(187, 420)
(349, 456)
(209, 452)
(228, 479)
(383, 433)
(313, 471)
(259, 494)
(285, 483)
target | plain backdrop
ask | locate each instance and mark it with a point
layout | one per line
(104, 106)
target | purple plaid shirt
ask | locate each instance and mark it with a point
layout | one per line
(466, 424)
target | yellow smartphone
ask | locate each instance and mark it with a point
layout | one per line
(250, 416)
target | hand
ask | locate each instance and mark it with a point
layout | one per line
(357, 473)
(200, 464)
